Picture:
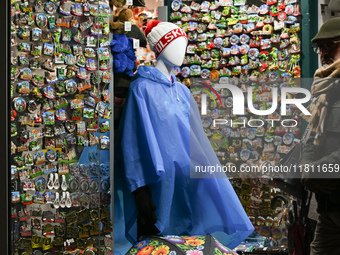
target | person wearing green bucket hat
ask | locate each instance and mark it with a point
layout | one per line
(322, 148)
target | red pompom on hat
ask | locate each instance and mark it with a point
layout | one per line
(161, 34)
(150, 26)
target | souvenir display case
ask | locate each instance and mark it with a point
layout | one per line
(250, 44)
(60, 127)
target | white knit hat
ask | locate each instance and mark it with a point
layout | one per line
(161, 34)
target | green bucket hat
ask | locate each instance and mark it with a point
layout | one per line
(329, 30)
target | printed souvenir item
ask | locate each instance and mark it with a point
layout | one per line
(50, 8)
(185, 72)
(41, 20)
(19, 104)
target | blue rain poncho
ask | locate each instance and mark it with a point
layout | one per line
(160, 138)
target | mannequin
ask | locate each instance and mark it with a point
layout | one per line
(159, 141)
(172, 56)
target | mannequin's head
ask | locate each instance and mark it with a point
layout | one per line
(168, 41)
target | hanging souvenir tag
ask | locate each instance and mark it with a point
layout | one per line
(127, 26)
(135, 43)
(129, 2)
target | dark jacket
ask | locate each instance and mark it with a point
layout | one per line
(326, 154)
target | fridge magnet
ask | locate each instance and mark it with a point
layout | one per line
(291, 20)
(15, 197)
(88, 113)
(41, 20)
(288, 138)
(90, 53)
(235, 50)
(81, 127)
(48, 49)
(244, 39)
(185, 8)
(91, 65)
(38, 6)
(268, 19)
(65, 9)
(51, 22)
(19, 104)
(81, 61)
(77, 104)
(61, 114)
(218, 42)
(26, 198)
(48, 131)
(51, 156)
(70, 59)
(185, 72)
(239, 2)
(205, 73)
(85, 25)
(49, 92)
(25, 47)
(97, 28)
(74, 23)
(36, 50)
(47, 105)
(14, 42)
(36, 35)
(46, 37)
(103, 54)
(245, 154)
(83, 85)
(104, 126)
(49, 65)
(70, 126)
(283, 55)
(59, 58)
(244, 50)
(94, 10)
(78, 37)
(195, 70)
(23, 88)
(104, 41)
(35, 64)
(77, 10)
(66, 35)
(61, 73)
(50, 8)
(71, 86)
(48, 118)
(65, 48)
(39, 158)
(104, 11)
(264, 9)
(253, 53)
(82, 73)
(176, 5)
(284, 43)
(234, 40)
